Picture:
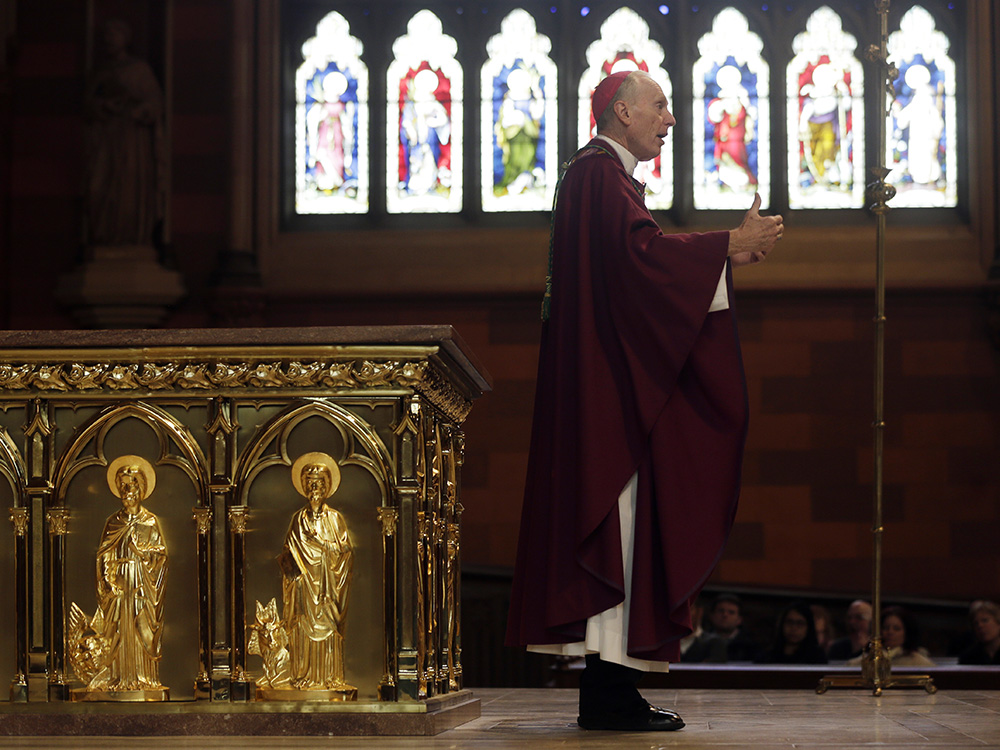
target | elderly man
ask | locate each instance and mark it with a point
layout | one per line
(640, 419)
(859, 632)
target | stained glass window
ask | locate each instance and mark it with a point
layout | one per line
(424, 121)
(331, 122)
(920, 132)
(624, 44)
(519, 118)
(825, 117)
(731, 126)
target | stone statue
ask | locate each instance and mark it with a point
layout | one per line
(117, 653)
(316, 566)
(120, 282)
(126, 189)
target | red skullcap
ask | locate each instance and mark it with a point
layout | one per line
(605, 92)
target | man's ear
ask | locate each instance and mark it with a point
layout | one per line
(621, 110)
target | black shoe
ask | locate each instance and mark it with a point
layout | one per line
(649, 719)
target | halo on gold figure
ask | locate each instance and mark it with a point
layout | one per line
(144, 466)
(316, 457)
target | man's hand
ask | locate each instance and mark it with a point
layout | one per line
(753, 239)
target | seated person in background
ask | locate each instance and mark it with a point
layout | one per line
(986, 628)
(795, 638)
(859, 632)
(901, 638)
(697, 613)
(824, 626)
(726, 641)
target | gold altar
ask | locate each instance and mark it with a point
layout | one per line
(153, 555)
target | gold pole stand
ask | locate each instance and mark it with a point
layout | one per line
(876, 669)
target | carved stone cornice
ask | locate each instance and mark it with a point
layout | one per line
(117, 377)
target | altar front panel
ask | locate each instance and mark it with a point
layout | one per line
(220, 427)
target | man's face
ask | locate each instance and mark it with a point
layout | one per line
(130, 486)
(859, 616)
(316, 482)
(986, 627)
(649, 120)
(726, 617)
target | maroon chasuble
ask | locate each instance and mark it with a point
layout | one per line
(635, 376)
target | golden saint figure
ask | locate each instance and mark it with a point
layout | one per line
(316, 565)
(120, 649)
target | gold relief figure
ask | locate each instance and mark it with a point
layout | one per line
(316, 565)
(117, 652)
(269, 639)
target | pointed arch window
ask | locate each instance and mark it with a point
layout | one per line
(424, 121)
(624, 44)
(519, 135)
(921, 146)
(331, 122)
(731, 125)
(825, 117)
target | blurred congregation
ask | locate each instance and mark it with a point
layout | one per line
(805, 633)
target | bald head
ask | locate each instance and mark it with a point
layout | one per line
(608, 121)
(638, 116)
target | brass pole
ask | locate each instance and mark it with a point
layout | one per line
(876, 669)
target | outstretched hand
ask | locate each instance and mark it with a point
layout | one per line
(753, 239)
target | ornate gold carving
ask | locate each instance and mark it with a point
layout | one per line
(439, 392)
(452, 586)
(117, 652)
(269, 640)
(122, 377)
(204, 518)
(56, 520)
(267, 375)
(303, 375)
(238, 519)
(19, 517)
(228, 375)
(388, 518)
(303, 650)
(355, 374)
(15, 378)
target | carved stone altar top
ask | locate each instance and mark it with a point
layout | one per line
(444, 336)
(209, 359)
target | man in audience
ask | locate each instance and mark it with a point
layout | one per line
(727, 641)
(859, 630)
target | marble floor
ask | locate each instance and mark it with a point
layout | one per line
(726, 719)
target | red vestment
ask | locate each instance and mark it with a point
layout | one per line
(635, 376)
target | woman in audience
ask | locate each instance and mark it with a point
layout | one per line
(986, 627)
(795, 638)
(824, 626)
(901, 638)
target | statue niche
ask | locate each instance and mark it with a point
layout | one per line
(303, 649)
(126, 160)
(117, 652)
